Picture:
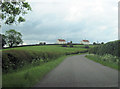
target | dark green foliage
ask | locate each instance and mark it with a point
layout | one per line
(94, 43)
(42, 43)
(13, 38)
(12, 12)
(14, 59)
(3, 40)
(112, 48)
(102, 42)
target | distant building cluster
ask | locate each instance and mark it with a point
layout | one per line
(62, 41)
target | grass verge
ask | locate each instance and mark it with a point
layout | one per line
(29, 77)
(98, 59)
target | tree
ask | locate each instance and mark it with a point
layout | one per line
(12, 12)
(94, 43)
(44, 43)
(40, 43)
(13, 38)
(71, 45)
(70, 42)
(102, 42)
(3, 40)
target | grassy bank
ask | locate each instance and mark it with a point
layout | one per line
(25, 66)
(29, 77)
(106, 60)
(15, 58)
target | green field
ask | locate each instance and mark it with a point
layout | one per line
(16, 57)
(50, 48)
(25, 66)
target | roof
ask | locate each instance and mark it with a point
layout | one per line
(61, 40)
(85, 40)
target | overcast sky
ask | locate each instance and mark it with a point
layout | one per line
(72, 20)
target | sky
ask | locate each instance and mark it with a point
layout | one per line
(72, 20)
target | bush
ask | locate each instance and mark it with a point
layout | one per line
(14, 59)
(112, 48)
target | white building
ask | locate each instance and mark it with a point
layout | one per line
(61, 41)
(85, 42)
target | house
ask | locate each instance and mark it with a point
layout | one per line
(85, 42)
(61, 41)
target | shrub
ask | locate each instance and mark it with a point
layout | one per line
(14, 59)
(112, 48)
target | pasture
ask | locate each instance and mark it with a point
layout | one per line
(24, 64)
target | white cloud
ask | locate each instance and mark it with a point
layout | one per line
(71, 19)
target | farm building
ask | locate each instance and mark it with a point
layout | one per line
(61, 41)
(85, 42)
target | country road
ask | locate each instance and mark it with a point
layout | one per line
(78, 71)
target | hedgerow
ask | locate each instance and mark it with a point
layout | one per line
(112, 48)
(14, 59)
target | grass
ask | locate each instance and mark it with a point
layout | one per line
(49, 48)
(53, 48)
(29, 77)
(98, 59)
(12, 58)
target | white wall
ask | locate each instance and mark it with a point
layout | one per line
(84, 42)
(61, 42)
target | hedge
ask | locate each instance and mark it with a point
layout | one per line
(112, 48)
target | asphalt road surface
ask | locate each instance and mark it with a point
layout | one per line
(78, 71)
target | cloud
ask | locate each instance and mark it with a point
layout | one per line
(70, 19)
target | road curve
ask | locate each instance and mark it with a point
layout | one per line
(78, 71)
